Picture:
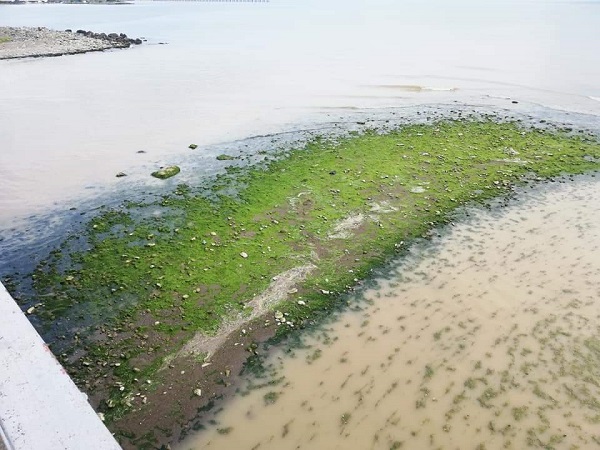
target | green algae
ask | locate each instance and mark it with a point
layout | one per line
(271, 397)
(167, 172)
(160, 278)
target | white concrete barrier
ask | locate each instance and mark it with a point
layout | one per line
(40, 406)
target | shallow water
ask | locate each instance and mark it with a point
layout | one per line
(487, 338)
(234, 69)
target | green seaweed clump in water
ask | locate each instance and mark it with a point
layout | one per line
(271, 397)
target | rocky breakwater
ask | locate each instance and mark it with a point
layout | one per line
(25, 42)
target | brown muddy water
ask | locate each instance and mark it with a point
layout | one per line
(488, 337)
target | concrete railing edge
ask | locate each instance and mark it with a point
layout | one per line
(40, 406)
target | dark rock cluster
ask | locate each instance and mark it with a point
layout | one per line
(117, 40)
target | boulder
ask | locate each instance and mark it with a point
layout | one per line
(166, 172)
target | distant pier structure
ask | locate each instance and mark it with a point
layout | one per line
(212, 1)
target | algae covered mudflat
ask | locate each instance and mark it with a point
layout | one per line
(263, 250)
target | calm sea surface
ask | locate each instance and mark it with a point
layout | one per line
(227, 71)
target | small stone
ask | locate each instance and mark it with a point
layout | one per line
(198, 392)
(193, 146)
(101, 416)
(278, 315)
(244, 255)
(121, 174)
(301, 302)
(31, 310)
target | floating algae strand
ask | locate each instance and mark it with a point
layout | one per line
(486, 338)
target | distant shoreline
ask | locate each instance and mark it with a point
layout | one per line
(69, 2)
(37, 42)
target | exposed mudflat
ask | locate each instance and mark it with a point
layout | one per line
(487, 338)
(24, 42)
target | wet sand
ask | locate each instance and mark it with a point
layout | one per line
(487, 338)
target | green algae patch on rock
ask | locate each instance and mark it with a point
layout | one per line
(167, 172)
(224, 157)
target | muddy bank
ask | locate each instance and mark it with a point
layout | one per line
(26, 42)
